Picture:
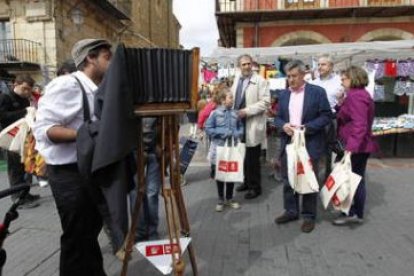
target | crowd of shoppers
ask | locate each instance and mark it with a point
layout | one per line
(331, 109)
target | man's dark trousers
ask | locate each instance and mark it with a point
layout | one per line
(252, 166)
(291, 198)
(15, 170)
(81, 222)
(330, 141)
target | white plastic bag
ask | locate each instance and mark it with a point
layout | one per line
(17, 144)
(229, 162)
(8, 134)
(338, 176)
(301, 176)
(292, 160)
(341, 185)
(306, 162)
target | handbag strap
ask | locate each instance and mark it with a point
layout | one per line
(86, 111)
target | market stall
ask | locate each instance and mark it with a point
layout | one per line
(391, 73)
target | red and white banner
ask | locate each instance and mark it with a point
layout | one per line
(159, 252)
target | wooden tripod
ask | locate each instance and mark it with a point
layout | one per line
(175, 210)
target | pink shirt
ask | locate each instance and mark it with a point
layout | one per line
(296, 106)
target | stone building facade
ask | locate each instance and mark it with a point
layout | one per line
(36, 36)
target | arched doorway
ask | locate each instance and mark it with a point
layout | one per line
(300, 38)
(386, 34)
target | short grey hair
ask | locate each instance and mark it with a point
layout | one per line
(296, 63)
(239, 58)
(328, 58)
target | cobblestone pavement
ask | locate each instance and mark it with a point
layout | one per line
(246, 241)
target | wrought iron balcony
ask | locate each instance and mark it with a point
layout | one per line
(230, 12)
(121, 9)
(123, 5)
(233, 6)
(19, 54)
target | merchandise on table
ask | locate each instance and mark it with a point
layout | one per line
(400, 124)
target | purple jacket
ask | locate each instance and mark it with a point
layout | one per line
(355, 118)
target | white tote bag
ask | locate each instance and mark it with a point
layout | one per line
(345, 205)
(305, 161)
(301, 176)
(8, 134)
(292, 160)
(229, 162)
(342, 199)
(341, 185)
(338, 176)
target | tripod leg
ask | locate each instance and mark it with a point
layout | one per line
(182, 212)
(179, 264)
(129, 240)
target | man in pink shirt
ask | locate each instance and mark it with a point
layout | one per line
(306, 106)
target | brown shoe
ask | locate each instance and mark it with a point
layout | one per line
(307, 226)
(285, 218)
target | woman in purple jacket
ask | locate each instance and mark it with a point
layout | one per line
(355, 115)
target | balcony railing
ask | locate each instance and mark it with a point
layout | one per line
(232, 6)
(123, 5)
(19, 51)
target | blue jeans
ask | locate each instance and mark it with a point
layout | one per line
(148, 217)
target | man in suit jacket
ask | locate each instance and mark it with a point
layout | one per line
(251, 100)
(302, 105)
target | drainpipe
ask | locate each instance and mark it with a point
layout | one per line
(256, 34)
(169, 23)
(44, 42)
(149, 21)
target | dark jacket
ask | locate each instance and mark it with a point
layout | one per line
(12, 108)
(113, 164)
(355, 118)
(316, 115)
(114, 107)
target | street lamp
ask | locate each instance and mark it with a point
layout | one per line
(77, 16)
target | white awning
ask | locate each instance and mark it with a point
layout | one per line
(342, 53)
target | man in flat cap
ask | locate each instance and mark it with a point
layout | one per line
(58, 118)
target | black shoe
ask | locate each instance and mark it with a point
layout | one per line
(285, 218)
(28, 204)
(242, 188)
(307, 226)
(30, 197)
(252, 194)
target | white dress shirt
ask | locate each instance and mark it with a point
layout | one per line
(62, 105)
(332, 85)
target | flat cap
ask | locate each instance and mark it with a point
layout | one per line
(81, 48)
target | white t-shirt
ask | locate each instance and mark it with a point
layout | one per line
(332, 85)
(62, 104)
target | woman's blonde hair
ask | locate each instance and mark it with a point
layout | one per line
(357, 75)
(216, 91)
